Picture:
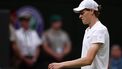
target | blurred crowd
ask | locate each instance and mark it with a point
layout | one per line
(31, 49)
(115, 57)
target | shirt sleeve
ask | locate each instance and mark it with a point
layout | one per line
(66, 38)
(98, 36)
(44, 37)
(12, 33)
(38, 39)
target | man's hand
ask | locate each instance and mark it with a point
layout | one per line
(29, 62)
(58, 57)
(55, 66)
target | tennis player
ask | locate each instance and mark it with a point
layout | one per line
(95, 48)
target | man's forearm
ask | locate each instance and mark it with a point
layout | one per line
(67, 48)
(94, 48)
(48, 49)
(76, 63)
(36, 54)
(16, 50)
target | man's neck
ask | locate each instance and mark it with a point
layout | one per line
(55, 29)
(117, 58)
(93, 21)
(25, 29)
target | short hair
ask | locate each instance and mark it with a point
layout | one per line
(116, 45)
(97, 13)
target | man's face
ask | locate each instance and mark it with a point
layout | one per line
(57, 24)
(25, 24)
(13, 19)
(116, 52)
(85, 16)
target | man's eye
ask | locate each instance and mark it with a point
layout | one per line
(82, 13)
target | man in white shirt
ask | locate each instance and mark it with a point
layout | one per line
(27, 43)
(95, 49)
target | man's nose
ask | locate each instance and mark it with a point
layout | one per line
(80, 16)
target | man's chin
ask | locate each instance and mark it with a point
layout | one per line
(84, 23)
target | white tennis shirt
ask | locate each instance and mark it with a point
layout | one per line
(97, 34)
(27, 41)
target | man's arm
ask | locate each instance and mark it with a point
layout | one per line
(67, 45)
(46, 44)
(36, 55)
(17, 50)
(67, 48)
(48, 49)
(86, 60)
(81, 61)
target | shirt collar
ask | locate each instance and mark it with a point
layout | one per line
(25, 30)
(55, 31)
(94, 26)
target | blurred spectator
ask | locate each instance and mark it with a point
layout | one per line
(12, 29)
(56, 42)
(116, 57)
(27, 44)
